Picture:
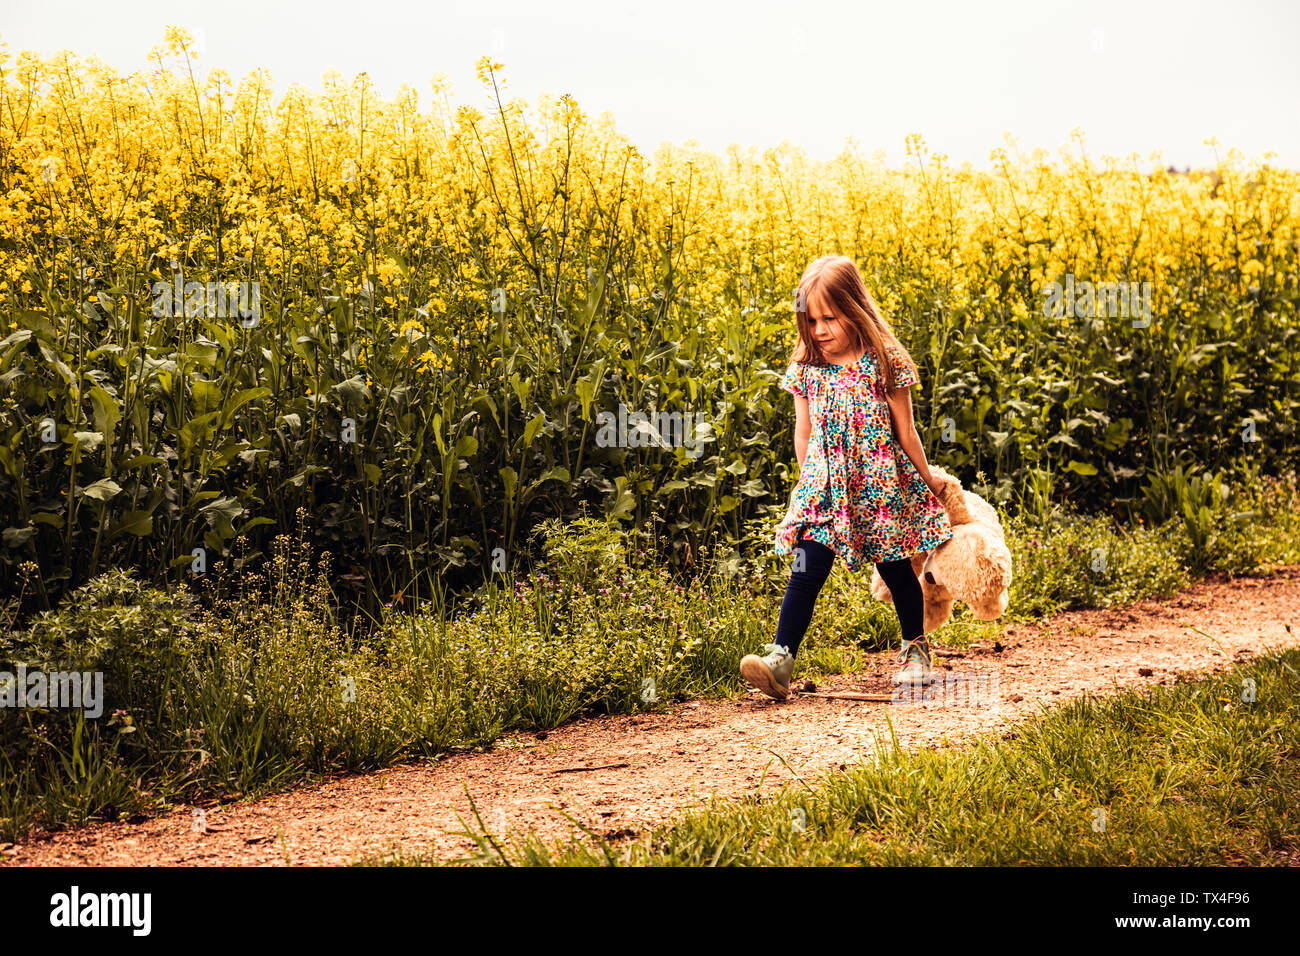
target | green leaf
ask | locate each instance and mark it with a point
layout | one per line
(522, 389)
(466, 446)
(594, 297)
(140, 461)
(556, 473)
(533, 427)
(353, 391)
(624, 500)
(59, 365)
(668, 348)
(300, 479)
(85, 441)
(203, 352)
(587, 386)
(207, 395)
(107, 415)
(17, 537)
(586, 394)
(39, 323)
(437, 435)
(138, 523)
(16, 338)
(999, 439)
(220, 515)
(239, 400)
(102, 490)
(195, 430)
(510, 478)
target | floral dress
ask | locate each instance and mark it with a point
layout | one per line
(858, 493)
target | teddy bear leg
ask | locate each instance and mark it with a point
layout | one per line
(879, 589)
(936, 605)
(918, 562)
(937, 612)
(990, 608)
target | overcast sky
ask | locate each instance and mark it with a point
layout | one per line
(1137, 76)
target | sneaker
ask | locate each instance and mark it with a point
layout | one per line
(770, 674)
(915, 657)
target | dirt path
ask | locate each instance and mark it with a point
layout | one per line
(625, 773)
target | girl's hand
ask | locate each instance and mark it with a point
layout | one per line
(935, 486)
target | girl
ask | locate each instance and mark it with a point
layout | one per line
(856, 496)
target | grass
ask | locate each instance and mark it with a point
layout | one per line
(1204, 772)
(261, 689)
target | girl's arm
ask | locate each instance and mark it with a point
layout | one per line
(900, 417)
(802, 428)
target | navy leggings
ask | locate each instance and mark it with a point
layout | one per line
(801, 593)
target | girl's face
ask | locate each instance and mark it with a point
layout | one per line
(829, 331)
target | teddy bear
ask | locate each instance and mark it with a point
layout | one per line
(973, 566)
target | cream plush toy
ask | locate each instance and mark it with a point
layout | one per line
(973, 566)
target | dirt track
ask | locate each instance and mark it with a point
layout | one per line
(629, 772)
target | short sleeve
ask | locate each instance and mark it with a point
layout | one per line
(792, 381)
(905, 374)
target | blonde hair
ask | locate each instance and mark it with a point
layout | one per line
(838, 280)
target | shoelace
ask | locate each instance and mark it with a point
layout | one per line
(904, 652)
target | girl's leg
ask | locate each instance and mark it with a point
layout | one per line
(771, 674)
(909, 604)
(905, 588)
(801, 593)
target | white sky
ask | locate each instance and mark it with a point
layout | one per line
(1137, 75)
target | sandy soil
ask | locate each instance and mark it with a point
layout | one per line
(625, 773)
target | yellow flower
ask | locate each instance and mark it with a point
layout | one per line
(486, 65)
